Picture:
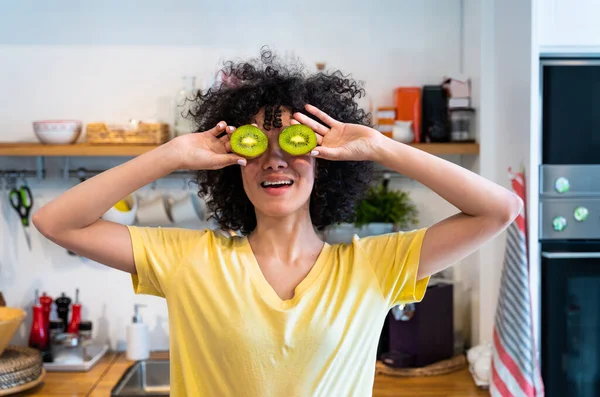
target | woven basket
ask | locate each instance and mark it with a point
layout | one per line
(453, 364)
(19, 366)
(140, 133)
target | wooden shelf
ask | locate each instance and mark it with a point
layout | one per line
(79, 149)
(441, 149)
(85, 149)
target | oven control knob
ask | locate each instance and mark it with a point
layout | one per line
(561, 185)
(581, 214)
(559, 223)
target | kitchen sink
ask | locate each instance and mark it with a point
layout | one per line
(144, 378)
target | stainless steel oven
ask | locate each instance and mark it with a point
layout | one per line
(569, 226)
(570, 279)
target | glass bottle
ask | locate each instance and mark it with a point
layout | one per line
(183, 122)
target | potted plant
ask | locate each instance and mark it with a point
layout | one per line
(384, 210)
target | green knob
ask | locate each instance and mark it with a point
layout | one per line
(562, 185)
(559, 223)
(581, 214)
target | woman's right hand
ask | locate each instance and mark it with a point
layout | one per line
(204, 151)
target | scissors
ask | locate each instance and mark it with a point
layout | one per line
(21, 200)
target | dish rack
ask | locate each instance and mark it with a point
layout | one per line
(134, 132)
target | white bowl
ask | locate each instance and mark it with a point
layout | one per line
(57, 132)
(123, 217)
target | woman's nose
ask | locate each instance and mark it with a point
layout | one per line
(274, 156)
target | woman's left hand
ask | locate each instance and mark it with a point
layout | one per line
(340, 141)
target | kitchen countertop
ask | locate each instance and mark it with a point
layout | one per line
(99, 381)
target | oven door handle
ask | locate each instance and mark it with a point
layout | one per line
(571, 255)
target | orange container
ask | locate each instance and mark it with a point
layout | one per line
(408, 108)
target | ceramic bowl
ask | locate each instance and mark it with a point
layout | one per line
(57, 132)
(123, 217)
(10, 320)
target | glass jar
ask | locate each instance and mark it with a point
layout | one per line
(183, 122)
(55, 328)
(462, 122)
(85, 333)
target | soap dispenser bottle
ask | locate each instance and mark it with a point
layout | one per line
(138, 342)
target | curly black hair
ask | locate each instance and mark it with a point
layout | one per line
(265, 82)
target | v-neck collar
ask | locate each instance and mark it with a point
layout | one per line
(267, 291)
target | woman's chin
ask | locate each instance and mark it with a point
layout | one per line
(279, 208)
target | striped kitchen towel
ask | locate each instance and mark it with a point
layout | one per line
(515, 368)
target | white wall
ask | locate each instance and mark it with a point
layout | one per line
(510, 140)
(473, 57)
(535, 160)
(106, 61)
(118, 60)
(503, 45)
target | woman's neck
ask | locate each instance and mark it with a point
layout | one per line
(285, 238)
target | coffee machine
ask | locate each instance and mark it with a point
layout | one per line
(421, 333)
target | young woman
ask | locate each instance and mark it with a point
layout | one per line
(277, 311)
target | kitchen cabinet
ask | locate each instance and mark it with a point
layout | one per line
(568, 23)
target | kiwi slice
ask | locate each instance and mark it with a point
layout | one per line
(297, 139)
(248, 141)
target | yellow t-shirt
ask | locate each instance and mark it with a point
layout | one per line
(231, 334)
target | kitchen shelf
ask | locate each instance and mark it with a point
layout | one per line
(86, 149)
(441, 149)
(79, 149)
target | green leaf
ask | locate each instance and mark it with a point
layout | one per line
(386, 206)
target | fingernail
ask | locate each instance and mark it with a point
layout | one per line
(231, 129)
(242, 162)
(314, 153)
(220, 125)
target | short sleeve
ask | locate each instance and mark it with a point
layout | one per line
(157, 253)
(395, 260)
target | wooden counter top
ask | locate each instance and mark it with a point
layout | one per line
(100, 380)
(71, 384)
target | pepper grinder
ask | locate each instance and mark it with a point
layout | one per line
(38, 336)
(62, 309)
(75, 315)
(46, 303)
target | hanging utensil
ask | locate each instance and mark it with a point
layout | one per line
(21, 200)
